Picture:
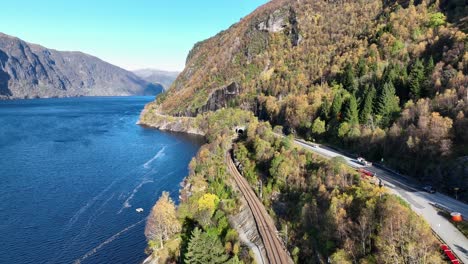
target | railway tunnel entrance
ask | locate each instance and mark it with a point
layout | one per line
(240, 130)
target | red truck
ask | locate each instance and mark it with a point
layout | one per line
(449, 254)
(366, 173)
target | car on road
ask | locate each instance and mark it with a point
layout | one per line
(429, 189)
(364, 162)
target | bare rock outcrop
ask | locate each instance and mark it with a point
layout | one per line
(243, 222)
(221, 97)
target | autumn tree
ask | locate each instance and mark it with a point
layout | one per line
(162, 222)
(436, 19)
(403, 236)
(318, 127)
(207, 205)
(340, 257)
(295, 110)
(343, 129)
(461, 124)
(263, 149)
(439, 135)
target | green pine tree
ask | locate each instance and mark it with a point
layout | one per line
(390, 73)
(351, 111)
(428, 89)
(430, 66)
(325, 109)
(349, 79)
(361, 67)
(336, 106)
(205, 248)
(416, 79)
(367, 108)
(388, 105)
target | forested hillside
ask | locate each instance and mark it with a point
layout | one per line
(323, 209)
(385, 79)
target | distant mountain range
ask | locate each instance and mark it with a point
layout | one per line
(32, 71)
(165, 78)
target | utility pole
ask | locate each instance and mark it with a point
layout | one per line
(285, 235)
(260, 188)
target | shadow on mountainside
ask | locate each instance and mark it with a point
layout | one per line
(4, 77)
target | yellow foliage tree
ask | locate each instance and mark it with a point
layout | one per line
(208, 202)
(162, 222)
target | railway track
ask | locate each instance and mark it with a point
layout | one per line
(275, 251)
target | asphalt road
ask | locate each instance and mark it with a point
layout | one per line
(419, 200)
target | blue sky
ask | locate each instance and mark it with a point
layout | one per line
(132, 34)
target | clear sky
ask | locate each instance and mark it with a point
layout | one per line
(132, 34)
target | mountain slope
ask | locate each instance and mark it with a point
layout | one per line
(30, 71)
(385, 79)
(165, 78)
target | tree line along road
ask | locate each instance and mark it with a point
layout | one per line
(421, 202)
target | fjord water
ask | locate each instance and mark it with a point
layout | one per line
(72, 173)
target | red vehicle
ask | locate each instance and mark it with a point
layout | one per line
(366, 173)
(449, 254)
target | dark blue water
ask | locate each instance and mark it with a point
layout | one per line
(72, 173)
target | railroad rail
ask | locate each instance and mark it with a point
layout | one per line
(275, 251)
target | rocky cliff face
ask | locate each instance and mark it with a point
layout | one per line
(262, 50)
(32, 71)
(151, 118)
(219, 98)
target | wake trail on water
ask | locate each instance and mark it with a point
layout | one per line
(98, 212)
(158, 155)
(90, 203)
(86, 228)
(106, 202)
(127, 204)
(107, 241)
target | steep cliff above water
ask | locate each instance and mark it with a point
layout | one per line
(30, 71)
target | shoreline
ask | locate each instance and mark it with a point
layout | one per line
(8, 99)
(151, 118)
(243, 221)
